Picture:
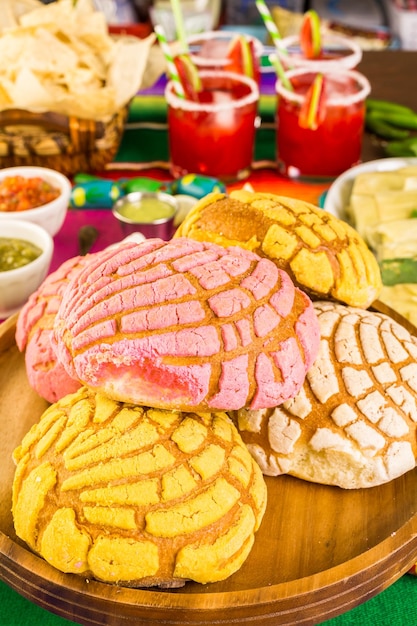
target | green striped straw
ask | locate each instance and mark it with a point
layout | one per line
(269, 23)
(172, 70)
(276, 37)
(179, 25)
(280, 72)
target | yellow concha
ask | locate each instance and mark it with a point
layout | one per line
(134, 495)
(324, 255)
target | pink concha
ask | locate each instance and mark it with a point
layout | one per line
(187, 325)
(35, 337)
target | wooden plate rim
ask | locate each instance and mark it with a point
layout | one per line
(404, 539)
(356, 579)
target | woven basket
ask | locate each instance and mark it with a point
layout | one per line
(66, 144)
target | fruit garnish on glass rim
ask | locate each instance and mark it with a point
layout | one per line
(241, 53)
(313, 109)
(188, 75)
(310, 35)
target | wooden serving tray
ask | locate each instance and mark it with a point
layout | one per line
(319, 552)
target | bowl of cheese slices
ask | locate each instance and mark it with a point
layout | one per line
(379, 199)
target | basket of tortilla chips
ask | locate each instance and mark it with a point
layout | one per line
(65, 85)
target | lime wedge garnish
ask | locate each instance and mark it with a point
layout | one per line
(313, 108)
(189, 75)
(241, 55)
(310, 35)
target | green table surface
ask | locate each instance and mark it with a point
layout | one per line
(394, 606)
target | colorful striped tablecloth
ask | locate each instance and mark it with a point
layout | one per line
(144, 152)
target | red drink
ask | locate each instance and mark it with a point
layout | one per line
(210, 52)
(336, 144)
(214, 136)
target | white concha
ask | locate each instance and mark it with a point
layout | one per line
(354, 422)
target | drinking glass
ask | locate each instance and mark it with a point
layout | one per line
(336, 144)
(209, 51)
(215, 134)
(198, 16)
(338, 52)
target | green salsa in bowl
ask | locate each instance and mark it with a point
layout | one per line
(25, 257)
(16, 253)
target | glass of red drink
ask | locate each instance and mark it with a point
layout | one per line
(209, 51)
(336, 144)
(214, 134)
(337, 52)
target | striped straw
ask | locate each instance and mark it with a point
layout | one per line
(172, 70)
(276, 38)
(280, 72)
(179, 25)
(269, 22)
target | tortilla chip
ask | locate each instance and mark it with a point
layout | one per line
(60, 57)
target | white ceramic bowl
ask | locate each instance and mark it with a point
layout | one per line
(337, 197)
(17, 285)
(51, 215)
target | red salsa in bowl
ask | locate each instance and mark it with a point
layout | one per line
(19, 193)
